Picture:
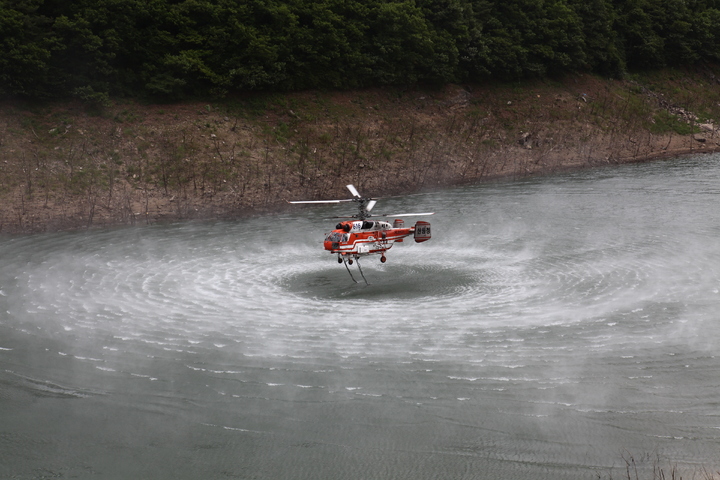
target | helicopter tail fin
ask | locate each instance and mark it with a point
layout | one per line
(422, 231)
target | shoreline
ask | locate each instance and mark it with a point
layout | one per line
(67, 166)
(61, 224)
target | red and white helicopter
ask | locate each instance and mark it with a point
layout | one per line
(353, 239)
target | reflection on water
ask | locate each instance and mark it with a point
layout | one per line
(551, 327)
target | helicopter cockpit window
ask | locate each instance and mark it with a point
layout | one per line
(337, 237)
(368, 225)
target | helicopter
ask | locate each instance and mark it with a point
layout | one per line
(358, 236)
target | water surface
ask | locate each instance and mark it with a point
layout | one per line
(552, 328)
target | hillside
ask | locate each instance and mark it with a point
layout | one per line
(70, 165)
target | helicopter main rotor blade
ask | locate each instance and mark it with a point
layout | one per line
(370, 205)
(321, 201)
(353, 190)
(403, 214)
(386, 215)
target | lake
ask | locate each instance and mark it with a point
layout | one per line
(554, 328)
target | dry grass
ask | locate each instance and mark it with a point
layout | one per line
(651, 467)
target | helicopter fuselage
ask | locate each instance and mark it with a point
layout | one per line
(352, 239)
(363, 237)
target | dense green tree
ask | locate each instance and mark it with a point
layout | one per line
(534, 38)
(654, 33)
(27, 45)
(173, 48)
(603, 54)
(404, 47)
(473, 45)
(707, 34)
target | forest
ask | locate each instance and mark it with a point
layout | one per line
(166, 50)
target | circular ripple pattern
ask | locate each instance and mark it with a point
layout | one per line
(548, 325)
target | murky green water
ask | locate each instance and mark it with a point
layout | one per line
(551, 328)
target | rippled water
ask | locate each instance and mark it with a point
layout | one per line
(551, 329)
